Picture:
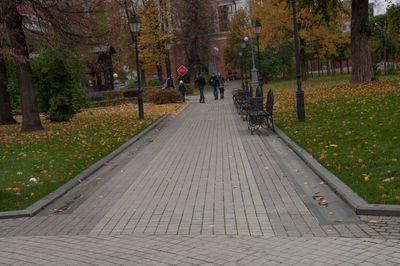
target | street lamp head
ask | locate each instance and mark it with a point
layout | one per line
(243, 43)
(240, 53)
(246, 39)
(167, 44)
(134, 24)
(257, 27)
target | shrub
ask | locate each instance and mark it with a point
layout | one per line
(160, 96)
(130, 84)
(153, 82)
(57, 84)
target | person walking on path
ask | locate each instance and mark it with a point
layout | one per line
(169, 83)
(221, 81)
(214, 83)
(182, 89)
(200, 82)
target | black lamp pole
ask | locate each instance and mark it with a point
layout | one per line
(241, 67)
(243, 46)
(134, 24)
(301, 116)
(257, 31)
(168, 47)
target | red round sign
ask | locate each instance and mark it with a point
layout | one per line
(182, 70)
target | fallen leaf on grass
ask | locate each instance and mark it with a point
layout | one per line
(389, 179)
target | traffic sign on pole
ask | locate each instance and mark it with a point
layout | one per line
(182, 70)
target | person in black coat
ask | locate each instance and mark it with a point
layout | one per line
(214, 83)
(200, 82)
(182, 90)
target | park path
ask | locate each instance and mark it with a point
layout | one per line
(201, 189)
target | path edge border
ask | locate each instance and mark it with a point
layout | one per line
(59, 192)
(359, 205)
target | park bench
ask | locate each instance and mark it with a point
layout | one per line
(257, 115)
(269, 108)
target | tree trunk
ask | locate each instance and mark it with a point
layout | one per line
(341, 66)
(333, 67)
(6, 117)
(319, 68)
(13, 21)
(347, 65)
(328, 69)
(160, 74)
(360, 49)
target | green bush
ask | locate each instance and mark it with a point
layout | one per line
(160, 96)
(130, 84)
(57, 84)
(153, 82)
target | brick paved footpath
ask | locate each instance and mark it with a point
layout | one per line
(202, 190)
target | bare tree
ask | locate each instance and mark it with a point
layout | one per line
(68, 20)
(194, 20)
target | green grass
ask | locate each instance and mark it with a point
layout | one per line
(63, 150)
(353, 130)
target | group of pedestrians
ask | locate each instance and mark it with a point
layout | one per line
(216, 82)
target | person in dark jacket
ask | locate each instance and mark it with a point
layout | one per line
(170, 83)
(200, 82)
(214, 83)
(182, 89)
(221, 81)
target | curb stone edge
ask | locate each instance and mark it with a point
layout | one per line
(360, 206)
(59, 192)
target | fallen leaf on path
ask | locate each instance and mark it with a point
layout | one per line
(340, 221)
(318, 198)
(323, 203)
(211, 226)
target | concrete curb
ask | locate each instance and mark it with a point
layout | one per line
(58, 193)
(359, 205)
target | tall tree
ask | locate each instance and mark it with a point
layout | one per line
(69, 21)
(194, 20)
(360, 48)
(6, 117)
(238, 28)
(13, 21)
(153, 34)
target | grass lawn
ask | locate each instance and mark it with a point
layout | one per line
(351, 129)
(63, 150)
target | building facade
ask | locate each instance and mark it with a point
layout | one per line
(225, 11)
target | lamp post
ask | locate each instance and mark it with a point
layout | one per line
(257, 31)
(241, 68)
(243, 46)
(167, 45)
(134, 26)
(301, 116)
